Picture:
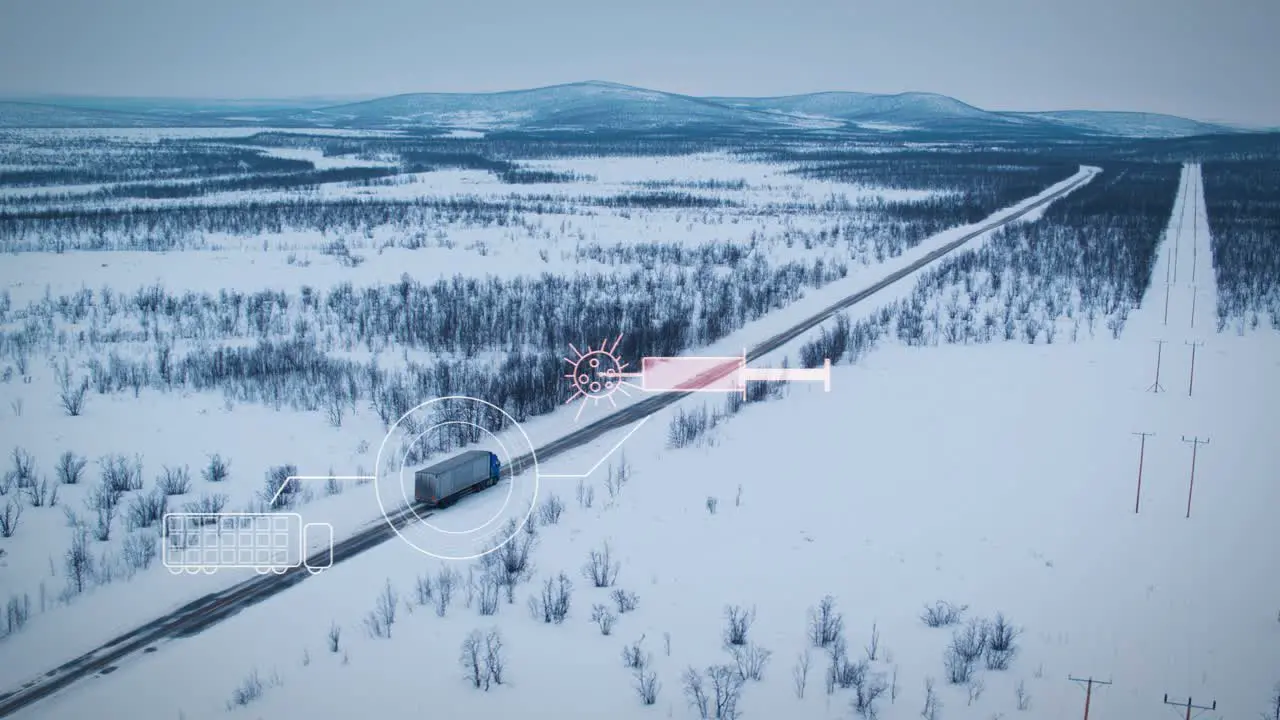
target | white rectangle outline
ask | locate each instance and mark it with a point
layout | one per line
(169, 551)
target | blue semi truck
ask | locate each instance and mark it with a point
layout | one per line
(443, 483)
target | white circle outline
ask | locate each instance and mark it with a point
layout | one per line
(533, 458)
(505, 502)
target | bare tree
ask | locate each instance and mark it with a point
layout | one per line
(634, 657)
(494, 663)
(737, 622)
(800, 674)
(551, 509)
(726, 691)
(513, 558)
(79, 562)
(216, 470)
(446, 582)
(553, 604)
(472, 659)
(751, 661)
(71, 394)
(696, 692)
(866, 693)
(489, 587)
(826, 625)
(601, 569)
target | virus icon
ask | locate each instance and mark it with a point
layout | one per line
(597, 374)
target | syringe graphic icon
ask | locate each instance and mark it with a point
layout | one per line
(716, 374)
(598, 373)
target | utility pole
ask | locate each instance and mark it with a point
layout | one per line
(1189, 706)
(1088, 690)
(1167, 287)
(1142, 452)
(1196, 442)
(1192, 382)
(1156, 386)
(1193, 305)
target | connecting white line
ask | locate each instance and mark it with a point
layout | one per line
(291, 478)
(606, 455)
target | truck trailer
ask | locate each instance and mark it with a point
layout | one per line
(446, 481)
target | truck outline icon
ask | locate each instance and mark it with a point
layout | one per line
(203, 542)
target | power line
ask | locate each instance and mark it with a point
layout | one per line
(1156, 386)
(1196, 442)
(1189, 706)
(1192, 381)
(1142, 451)
(1088, 690)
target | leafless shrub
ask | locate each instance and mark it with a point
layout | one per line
(712, 504)
(696, 693)
(842, 672)
(138, 550)
(893, 686)
(586, 495)
(976, 686)
(174, 481)
(1024, 698)
(625, 600)
(601, 569)
(383, 615)
(932, 705)
(6, 483)
(207, 504)
(332, 486)
(446, 582)
(971, 642)
(23, 474)
(800, 674)
(78, 562)
(41, 493)
(334, 638)
(488, 588)
(9, 518)
(16, 613)
(602, 616)
(942, 614)
(120, 474)
(1000, 643)
(751, 661)
(105, 517)
(280, 492)
(726, 691)
(550, 510)
(71, 394)
(482, 659)
(737, 622)
(146, 510)
(553, 605)
(866, 694)
(959, 670)
(70, 468)
(634, 657)
(873, 647)
(494, 663)
(512, 558)
(216, 470)
(423, 589)
(249, 690)
(647, 686)
(826, 625)
(472, 659)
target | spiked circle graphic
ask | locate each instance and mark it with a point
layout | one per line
(597, 374)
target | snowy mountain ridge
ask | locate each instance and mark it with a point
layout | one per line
(596, 106)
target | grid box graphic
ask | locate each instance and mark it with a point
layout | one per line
(204, 542)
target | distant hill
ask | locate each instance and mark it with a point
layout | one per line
(596, 106)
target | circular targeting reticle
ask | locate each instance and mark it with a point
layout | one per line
(480, 530)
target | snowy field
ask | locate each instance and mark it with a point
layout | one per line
(999, 477)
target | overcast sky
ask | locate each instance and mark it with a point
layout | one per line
(1207, 59)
